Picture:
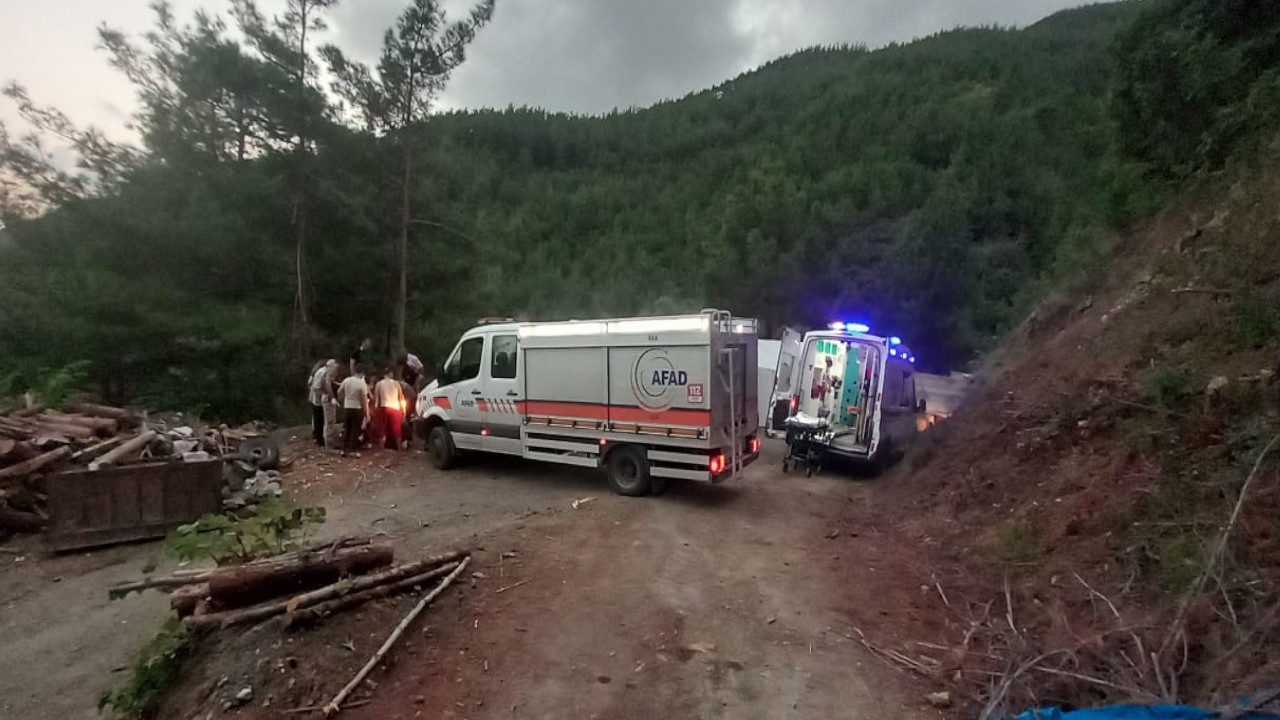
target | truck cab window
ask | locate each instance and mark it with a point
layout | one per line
(465, 362)
(503, 366)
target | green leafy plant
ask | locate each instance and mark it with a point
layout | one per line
(1255, 319)
(273, 527)
(157, 669)
(50, 386)
(1167, 385)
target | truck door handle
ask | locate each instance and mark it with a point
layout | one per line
(512, 393)
(477, 392)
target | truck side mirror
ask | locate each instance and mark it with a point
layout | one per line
(920, 405)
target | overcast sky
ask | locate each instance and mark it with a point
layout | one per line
(584, 56)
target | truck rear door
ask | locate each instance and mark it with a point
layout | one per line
(785, 377)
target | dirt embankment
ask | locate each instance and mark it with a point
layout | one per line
(1094, 471)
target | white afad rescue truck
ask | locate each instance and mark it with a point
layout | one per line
(857, 386)
(650, 399)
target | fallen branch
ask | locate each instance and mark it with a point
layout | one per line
(258, 613)
(319, 708)
(319, 610)
(334, 706)
(997, 698)
(1206, 291)
(499, 591)
(1176, 628)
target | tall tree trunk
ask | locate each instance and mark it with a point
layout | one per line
(402, 254)
(303, 296)
(300, 196)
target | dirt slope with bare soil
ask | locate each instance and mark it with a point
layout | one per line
(1097, 464)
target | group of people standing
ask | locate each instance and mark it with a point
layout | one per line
(372, 408)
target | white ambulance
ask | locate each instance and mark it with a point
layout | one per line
(859, 387)
(650, 400)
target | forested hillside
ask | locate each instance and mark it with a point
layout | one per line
(933, 188)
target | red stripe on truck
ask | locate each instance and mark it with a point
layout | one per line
(619, 413)
(443, 402)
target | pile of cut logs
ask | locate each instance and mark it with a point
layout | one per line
(301, 586)
(36, 441)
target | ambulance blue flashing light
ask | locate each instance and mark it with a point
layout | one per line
(851, 327)
(895, 340)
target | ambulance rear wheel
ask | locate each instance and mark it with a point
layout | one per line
(443, 454)
(627, 470)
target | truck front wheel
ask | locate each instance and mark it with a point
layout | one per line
(627, 469)
(443, 454)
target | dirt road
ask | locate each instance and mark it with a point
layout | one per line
(730, 601)
(711, 602)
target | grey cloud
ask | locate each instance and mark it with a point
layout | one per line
(585, 55)
(591, 56)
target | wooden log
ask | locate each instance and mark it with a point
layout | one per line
(334, 706)
(28, 411)
(234, 587)
(307, 615)
(258, 613)
(7, 445)
(23, 428)
(104, 411)
(17, 521)
(48, 427)
(97, 424)
(124, 451)
(187, 598)
(21, 450)
(29, 466)
(93, 451)
(182, 578)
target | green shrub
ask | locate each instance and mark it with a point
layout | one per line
(1255, 319)
(157, 669)
(270, 529)
(1167, 385)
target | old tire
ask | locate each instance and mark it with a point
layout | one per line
(627, 470)
(440, 444)
(261, 451)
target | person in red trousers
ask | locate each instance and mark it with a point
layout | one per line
(391, 406)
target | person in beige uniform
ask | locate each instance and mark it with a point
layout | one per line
(354, 395)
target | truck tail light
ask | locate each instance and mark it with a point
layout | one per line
(716, 466)
(753, 445)
(795, 403)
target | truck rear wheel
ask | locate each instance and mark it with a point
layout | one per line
(627, 469)
(443, 454)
